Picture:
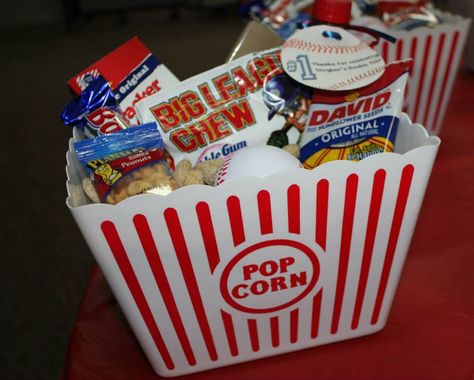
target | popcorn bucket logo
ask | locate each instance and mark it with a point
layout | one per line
(269, 276)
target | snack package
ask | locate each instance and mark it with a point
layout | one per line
(95, 111)
(355, 124)
(126, 163)
(396, 14)
(133, 73)
(217, 112)
(281, 16)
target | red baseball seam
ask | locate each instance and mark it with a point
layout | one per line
(299, 44)
(358, 78)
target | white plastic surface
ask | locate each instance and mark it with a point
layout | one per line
(437, 54)
(256, 161)
(209, 277)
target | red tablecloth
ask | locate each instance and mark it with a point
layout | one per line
(430, 331)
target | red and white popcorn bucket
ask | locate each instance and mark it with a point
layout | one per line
(437, 54)
(213, 276)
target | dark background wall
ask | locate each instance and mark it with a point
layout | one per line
(44, 260)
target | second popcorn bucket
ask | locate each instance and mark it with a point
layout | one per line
(261, 264)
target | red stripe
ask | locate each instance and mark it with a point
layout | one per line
(156, 265)
(294, 209)
(422, 78)
(294, 325)
(399, 49)
(265, 212)
(316, 312)
(208, 234)
(447, 72)
(322, 194)
(414, 44)
(373, 219)
(253, 332)
(275, 331)
(408, 85)
(120, 255)
(347, 224)
(385, 51)
(230, 332)
(182, 254)
(403, 191)
(235, 219)
(434, 78)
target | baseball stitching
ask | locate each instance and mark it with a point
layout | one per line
(357, 78)
(223, 170)
(299, 44)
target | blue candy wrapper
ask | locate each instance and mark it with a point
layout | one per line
(95, 110)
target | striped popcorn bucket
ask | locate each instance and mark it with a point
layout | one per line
(213, 276)
(437, 55)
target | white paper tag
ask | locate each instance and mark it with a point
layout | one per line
(330, 58)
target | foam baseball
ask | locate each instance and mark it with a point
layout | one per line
(257, 161)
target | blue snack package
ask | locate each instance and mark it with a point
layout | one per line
(126, 163)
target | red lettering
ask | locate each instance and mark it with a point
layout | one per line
(239, 114)
(180, 110)
(225, 86)
(199, 132)
(259, 287)
(338, 113)
(255, 69)
(99, 116)
(381, 99)
(244, 83)
(218, 126)
(278, 283)
(155, 85)
(129, 113)
(209, 96)
(248, 270)
(285, 262)
(319, 117)
(166, 116)
(354, 108)
(110, 127)
(192, 104)
(367, 104)
(183, 140)
(239, 295)
(298, 279)
(267, 268)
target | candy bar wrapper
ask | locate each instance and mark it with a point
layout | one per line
(95, 111)
(217, 112)
(133, 73)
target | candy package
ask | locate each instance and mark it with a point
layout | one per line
(281, 16)
(133, 73)
(126, 163)
(95, 111)
(217, 112)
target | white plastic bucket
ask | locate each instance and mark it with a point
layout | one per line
(437, 54)
(212, 276)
